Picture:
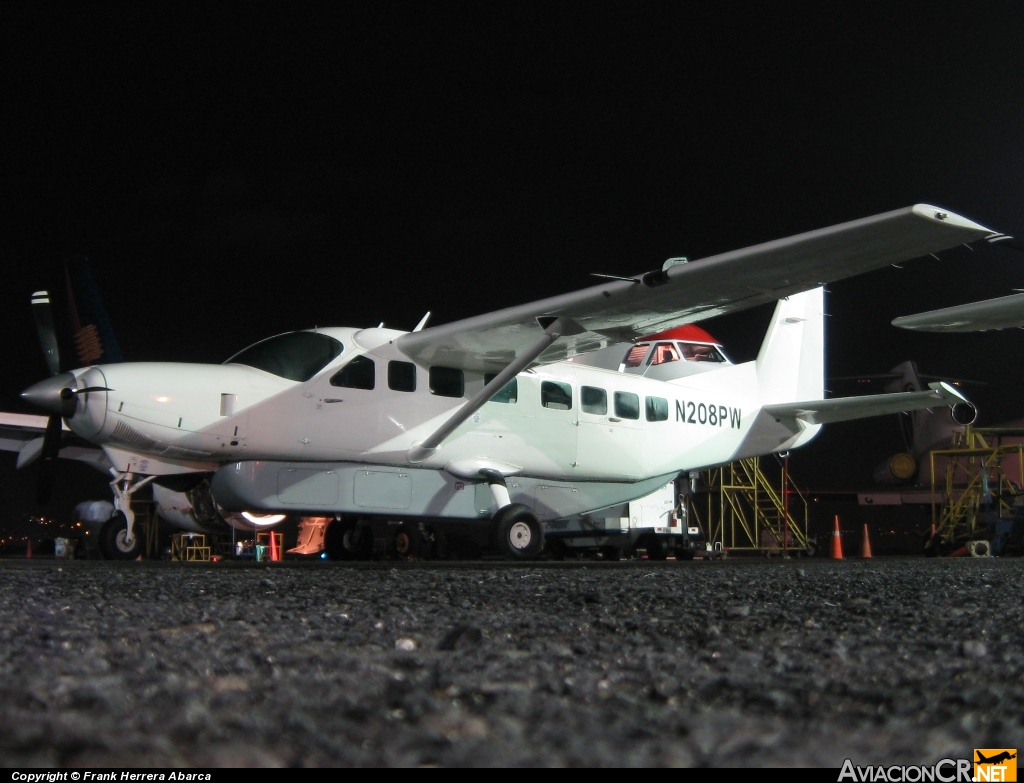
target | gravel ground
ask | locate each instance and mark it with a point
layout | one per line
(737, 663)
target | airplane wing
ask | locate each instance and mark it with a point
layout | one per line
(850, 408)
(624, 309)
(1002, 313)
(23, 433)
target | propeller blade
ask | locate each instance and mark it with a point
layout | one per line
(44, 326)
(30, 452)
(50, 452)
(51, 438)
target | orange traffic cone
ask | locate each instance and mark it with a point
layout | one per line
(837, 542)
(273, 546)
(865, 544)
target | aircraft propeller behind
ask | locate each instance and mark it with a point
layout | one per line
(56, 395)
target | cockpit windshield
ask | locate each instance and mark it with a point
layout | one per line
(297, 356)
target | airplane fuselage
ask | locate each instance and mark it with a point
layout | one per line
(563, 421)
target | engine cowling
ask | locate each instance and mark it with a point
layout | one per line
(190, 509)
(194, 509)
(898, 469)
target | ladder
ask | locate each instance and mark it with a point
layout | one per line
(983, 481)
(752, 511)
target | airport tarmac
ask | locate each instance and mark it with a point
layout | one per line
(736, 663)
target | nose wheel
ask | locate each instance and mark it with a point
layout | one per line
(114, 542)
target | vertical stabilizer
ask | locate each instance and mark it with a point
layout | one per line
(791, 362)
(94, 337)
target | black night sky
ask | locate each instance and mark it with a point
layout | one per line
(232, 174)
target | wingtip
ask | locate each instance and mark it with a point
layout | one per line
(947, 392)
(945, 216)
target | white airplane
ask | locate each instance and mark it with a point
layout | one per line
(507, 419)
(1005, 312)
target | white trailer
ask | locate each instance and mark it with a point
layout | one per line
(654, 526)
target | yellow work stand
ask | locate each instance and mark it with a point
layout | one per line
(189, 546)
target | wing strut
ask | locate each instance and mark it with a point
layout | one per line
(552, 331)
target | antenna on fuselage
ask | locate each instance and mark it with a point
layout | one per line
(423, 322)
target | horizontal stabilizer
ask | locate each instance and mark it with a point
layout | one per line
(849, 408)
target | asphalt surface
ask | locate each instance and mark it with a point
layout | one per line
(723, 663)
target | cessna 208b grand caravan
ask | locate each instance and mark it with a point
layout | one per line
(513, 418)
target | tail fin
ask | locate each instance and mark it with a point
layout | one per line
(791, 362)
(93, 333)
(926, 430)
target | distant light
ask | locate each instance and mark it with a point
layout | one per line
(163, 399)
(323, 555)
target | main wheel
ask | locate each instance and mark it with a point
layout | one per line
(346, 539)
(113, 541)
(518, 533)
(410, 543)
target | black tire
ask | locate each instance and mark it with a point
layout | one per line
(518, 534)
(113, 535)
(346, 539)
(684, 553)
(611, 553)
(403, 545)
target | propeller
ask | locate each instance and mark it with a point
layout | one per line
(56, 395)
(43, 315)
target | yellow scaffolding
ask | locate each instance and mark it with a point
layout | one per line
(189, 547)
(751, 513)
(981, 482)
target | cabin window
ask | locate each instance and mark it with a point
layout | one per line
(627, 405)
(360, 373)
(509, 393)
(656, 409)
(447, 382)
(701, 353)
(402, 376)
(297, 356)
(636, 355)
(665, 352)
(557, 395)
(594, 400)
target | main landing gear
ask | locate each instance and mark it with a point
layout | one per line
(518, 534)
(517, 531)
